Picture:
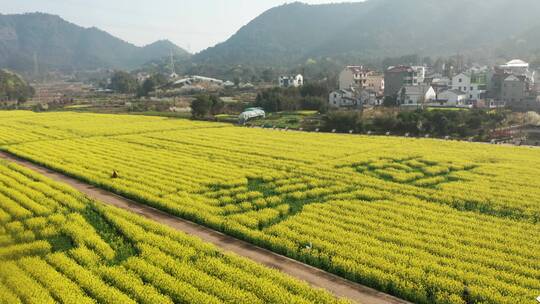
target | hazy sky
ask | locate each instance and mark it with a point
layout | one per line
(192, 24)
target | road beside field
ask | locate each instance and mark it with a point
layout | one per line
(316, 277)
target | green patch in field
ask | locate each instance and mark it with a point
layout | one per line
(258, 184)
(291, 120)
(412, 171)
(60, 243)
(261, 204)
(122, 246)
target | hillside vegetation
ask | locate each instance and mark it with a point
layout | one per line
(294, 32)
(430, 221)
(58, 44)
(13, 87)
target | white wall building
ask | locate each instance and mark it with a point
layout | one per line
(291, 81)
(452, 98)
(416, 95)
(344, 99)
(419, 75)
(463, 82)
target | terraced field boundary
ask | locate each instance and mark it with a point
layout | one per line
(314, 276)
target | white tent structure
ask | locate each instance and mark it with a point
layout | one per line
(517, 67)
(194, 79)
(251, 113)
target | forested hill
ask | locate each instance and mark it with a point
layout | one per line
(378, 28)
(58, 44)
(14, 87)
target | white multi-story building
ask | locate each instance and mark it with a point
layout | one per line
(474, 90)
(291, 81)
(419, 75)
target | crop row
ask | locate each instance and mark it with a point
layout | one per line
(429, 221)
(68, 249)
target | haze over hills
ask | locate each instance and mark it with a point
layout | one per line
(290, 34)
(377, 28)
(58, 44)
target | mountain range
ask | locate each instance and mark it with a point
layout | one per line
(55, 44)
(293, 33)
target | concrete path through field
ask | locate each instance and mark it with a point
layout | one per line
(316, 277)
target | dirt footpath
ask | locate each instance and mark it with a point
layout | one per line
(316, 277)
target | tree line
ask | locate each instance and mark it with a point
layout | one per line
(312, 96)
(439, 122)
(126, 83)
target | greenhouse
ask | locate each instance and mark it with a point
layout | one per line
(251, 113)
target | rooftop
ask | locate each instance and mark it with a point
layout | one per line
(357, 69)
(457, 92)
(399, 69)
(417, 89)
(516, 63)
(512, 78)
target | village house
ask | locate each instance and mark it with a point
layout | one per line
(515, 89)
(508, 82)
(375, 83)
(416, 95)
(291, 81)
(472, 85)
(495, 84)
(536, 85)
(419, 75)
(398, 76)
(519, 68)
(345, 99)
(451, 98)
(370, 98)
(360, 78)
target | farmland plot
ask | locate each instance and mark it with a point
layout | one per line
(426, 220)
(59, 247)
